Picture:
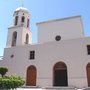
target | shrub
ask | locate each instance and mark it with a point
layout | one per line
(3, 71)
(11, 82)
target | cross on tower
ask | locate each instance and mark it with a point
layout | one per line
(21, 3)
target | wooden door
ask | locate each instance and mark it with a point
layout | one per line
(60, 74)
(31, 76)
(60, 78)
(88, 74)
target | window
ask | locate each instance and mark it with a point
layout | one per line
(32, 54)
(88, 49)
(16, 20)
(12, 56)
(23, 18)
(58, 38)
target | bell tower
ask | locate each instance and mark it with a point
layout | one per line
(21, 17)
(19, 34)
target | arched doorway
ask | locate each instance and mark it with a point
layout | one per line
(60, 77)
(31, 76)
(88, 74)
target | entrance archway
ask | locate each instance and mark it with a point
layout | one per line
(88, 74)
(31, 76)
(60, 74)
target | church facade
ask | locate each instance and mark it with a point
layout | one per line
(60, 58)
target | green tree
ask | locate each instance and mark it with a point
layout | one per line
(3, 71)
(11, 82)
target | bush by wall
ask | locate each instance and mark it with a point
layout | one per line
(11, 82)
(3, 71)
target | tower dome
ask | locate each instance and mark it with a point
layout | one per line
(21, 9)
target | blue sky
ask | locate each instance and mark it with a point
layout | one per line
(42, 10)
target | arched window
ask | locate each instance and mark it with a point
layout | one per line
(16, 20)
(60, 77)
(28, 23)
(31, 76)
(27, 38)
(23, 18)
(14, 38)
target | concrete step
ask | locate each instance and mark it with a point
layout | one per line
(87, 88)
(47, 88)
(60, 88)
(28, 89)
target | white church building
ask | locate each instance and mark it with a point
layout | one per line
(60, 58)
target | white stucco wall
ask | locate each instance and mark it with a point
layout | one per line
(72, 52)
(67, 28)
(71, 49)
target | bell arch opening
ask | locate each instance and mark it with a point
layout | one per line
(23, 19)
(27, 39)
(16, 20)
(14, 38)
